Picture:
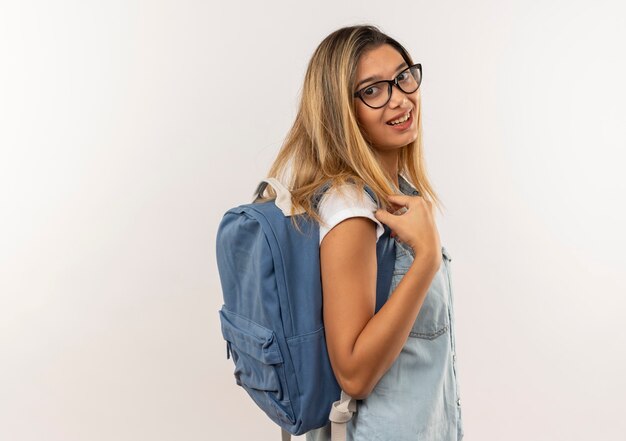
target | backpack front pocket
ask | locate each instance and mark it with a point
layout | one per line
(259, 366)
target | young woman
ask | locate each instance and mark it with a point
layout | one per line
(359, 123)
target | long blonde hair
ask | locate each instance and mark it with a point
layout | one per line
(326, 142)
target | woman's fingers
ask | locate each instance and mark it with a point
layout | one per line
(413, 223)
(400, 199)
(385, 217)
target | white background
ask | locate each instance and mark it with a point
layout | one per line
(127, 128)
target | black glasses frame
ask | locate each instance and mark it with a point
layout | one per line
(390, 84)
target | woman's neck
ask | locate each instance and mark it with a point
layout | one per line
(389, 162)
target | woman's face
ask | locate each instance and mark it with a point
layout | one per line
(385, 63)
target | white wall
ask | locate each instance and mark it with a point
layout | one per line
(128, 127)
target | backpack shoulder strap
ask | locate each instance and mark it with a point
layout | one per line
(386, 255)
(283, 195)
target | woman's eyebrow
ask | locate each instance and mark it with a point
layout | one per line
(376, 77)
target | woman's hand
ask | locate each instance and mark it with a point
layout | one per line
(415, 226)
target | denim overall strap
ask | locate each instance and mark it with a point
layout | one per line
(407, 188)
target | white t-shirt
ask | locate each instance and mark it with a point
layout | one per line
(335, 207)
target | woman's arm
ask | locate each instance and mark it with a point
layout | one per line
(363, 345)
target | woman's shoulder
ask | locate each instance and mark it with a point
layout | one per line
(344, 201)
(349, 193)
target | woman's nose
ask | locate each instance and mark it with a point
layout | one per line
(397, 97)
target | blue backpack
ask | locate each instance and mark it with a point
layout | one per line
(272, 313)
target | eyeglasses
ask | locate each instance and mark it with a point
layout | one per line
(378, 94)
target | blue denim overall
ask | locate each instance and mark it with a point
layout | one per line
(418, 397)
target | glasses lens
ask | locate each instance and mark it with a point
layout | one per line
(410, 79)
(376, 94)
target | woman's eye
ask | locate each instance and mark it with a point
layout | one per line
(370, 91)
(402, 76)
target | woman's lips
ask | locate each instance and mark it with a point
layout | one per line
(403, 126)
(397, 117)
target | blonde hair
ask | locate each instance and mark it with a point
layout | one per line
(326, 142)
